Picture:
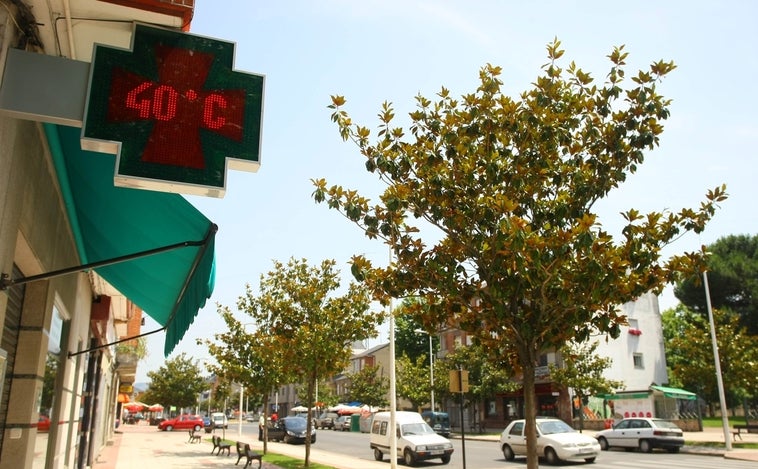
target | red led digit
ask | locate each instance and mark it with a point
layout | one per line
(164, 102)
(143, 105)
(210, 105)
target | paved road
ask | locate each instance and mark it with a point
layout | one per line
(141, 447)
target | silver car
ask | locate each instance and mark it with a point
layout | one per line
(556, 441)
(343, 423)
(642, 433)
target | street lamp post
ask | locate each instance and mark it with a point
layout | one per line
(431, 363)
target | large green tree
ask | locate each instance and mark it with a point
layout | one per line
(176, 383)
(732, 280)
(251, 358)
(689, 354)
(518, 259)
(410, 337)
(369, 387)
(412, 380)
(307, 323)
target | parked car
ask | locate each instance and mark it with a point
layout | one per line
(134, 418)
(182, 422)
(439, 421)
(219, 420)
(43, 424)
(208, 424)
(642, 433)
(416, 441)
(290, 430)
(343, 423)
(556, 441)
(326, 420)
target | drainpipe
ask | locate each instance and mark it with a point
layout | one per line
(69, 30)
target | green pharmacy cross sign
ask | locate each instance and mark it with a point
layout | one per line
(174, 112)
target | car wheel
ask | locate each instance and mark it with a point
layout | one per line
(169, 428)
(197, 428)
(603, 443)
(445, 459)
(408, 458)
(508, 453)
(286, 439)
(551, 457)
(378, 455)
(313, 439)
(645, 446)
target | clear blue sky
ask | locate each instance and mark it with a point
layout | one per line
(371, 51)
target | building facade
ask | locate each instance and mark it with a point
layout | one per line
(63, 309)
(638, 360)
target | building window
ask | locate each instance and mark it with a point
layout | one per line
(638, 363)
(543, 360)
(491, 408)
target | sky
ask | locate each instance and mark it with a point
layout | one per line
(392, 50)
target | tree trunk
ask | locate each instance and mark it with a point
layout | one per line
(530, 412)
(309, 421)
(265, 420)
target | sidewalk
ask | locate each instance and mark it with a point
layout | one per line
(143, 446)
(716, 435)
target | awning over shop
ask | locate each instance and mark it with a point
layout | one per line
(675, 393)
(109, 222)
(629, 395)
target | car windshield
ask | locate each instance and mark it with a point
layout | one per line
(416, 429)
(295, 423)
(665, 424)
(554, 426)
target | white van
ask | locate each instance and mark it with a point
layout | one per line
(218, 420)
(416, 441)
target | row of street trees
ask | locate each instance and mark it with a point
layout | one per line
(298, 329)
(733, 262)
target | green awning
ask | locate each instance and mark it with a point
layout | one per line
(675, 393)
(629, 395)
(110, 222)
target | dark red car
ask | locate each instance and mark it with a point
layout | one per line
(182, 422)
(43, 424)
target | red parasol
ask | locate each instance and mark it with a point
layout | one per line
(134, 407)
(155, 408)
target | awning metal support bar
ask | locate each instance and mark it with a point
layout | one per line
(92, 349)
(6, 281)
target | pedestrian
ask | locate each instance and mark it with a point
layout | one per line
(261, 423)
(274, 418)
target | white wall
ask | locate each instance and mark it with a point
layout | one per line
(646, 314)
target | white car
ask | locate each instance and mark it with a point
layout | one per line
(556, 441)
(642, 433)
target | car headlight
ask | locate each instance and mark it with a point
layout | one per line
(421, 448)
(569, 445)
